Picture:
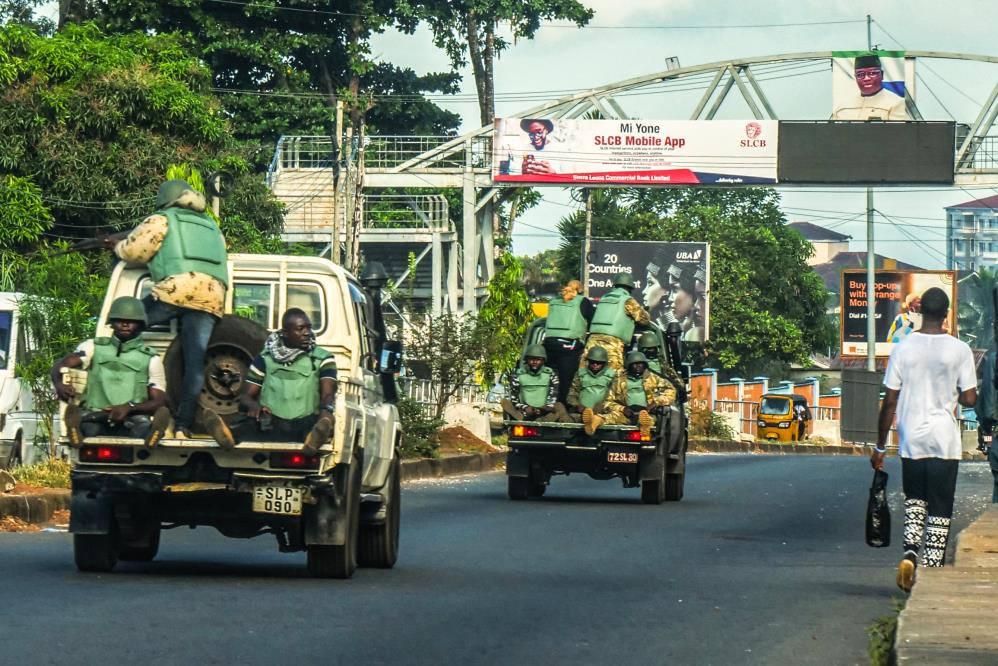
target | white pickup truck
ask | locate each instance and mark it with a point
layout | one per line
(19, 422)
(342, 506)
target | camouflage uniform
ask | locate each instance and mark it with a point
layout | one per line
(600, 408)
(516, 408)
(658, 393)
(668, 372)
(614, 346)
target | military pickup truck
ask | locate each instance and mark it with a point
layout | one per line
(341, 506)
(539, 451)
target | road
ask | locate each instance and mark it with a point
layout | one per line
(763, 562)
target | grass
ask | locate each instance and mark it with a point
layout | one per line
(50, 473)
(881, 634)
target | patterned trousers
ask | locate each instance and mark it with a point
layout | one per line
(929, 489)
(614, 349)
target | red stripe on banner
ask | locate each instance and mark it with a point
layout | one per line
(651, 177)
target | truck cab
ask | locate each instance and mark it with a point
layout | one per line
(340, 506)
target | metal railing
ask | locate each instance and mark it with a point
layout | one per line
(985, 156)
(425, 392)
(386, 152)
(406, 211)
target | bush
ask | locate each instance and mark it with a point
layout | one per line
(419, 430)
(709, 424)
(50, 473)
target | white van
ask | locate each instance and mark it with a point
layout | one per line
(18, 420)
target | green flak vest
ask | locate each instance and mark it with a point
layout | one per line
(594, 388)
(119, 372)
(291, 391)
(534, 387)
(611, 317)
(192, 243)
(636, 391)
(655, 365)
(565, 319)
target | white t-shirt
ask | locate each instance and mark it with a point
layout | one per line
(157, 374)
(930, 371)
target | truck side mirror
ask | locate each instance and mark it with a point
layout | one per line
(391, 357)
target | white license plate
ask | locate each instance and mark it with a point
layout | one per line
(277, 499)
(621, 457)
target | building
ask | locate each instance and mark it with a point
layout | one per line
(831, 270)
(826, 243)
(972, 234)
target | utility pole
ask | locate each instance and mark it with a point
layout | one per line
(871, 259)
(337, 148)
(586, 249)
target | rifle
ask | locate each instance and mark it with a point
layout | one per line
(86, 245)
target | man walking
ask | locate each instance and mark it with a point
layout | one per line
(927, 375)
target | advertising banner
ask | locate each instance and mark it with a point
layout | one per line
(897, 301)
(672, 280)
(634, 153)
(871, 85)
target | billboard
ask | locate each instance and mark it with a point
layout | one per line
(871, 85)
(846, 153)
(673, 280)
(897, 304)
(634, 153)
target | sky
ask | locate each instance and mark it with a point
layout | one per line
(634, 37)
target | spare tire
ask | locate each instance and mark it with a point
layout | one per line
(234, 343)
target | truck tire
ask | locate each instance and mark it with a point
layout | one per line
(341, 561)
(674, 487)
(379, 544)
(234, 343)
(146, 552)
(95, 552)
(517, 487)
(536, 489)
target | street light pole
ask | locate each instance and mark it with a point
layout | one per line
(589, 235)
(871, 281)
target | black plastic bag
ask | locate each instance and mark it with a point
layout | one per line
(878, 514)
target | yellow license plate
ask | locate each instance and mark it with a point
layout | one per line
(277, 499)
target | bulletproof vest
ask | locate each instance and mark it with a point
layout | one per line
(534, 387)
(119, 373)
(595, 388)
(291, 391)
(636, 391)
(192, 243)
(611, 317)
(655, 365)
(565, 319)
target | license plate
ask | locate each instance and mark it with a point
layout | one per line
(625, 457)
(277, 499)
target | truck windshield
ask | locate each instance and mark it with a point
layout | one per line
(775, 406)
(6, 320)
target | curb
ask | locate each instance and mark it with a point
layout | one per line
(732, 446)
(433, 468)
(36, 508)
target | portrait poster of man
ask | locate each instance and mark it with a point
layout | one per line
(871, 85)
(530, 146)
(673, 279)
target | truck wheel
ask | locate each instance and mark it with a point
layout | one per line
(234, 343)
(144, 552)
(536, 489)
(674, 487)
(517, 487)
(95, 552)
(379, 544)
(341, 561)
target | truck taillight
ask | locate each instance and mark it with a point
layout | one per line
(636, 436)
(526, 431)
(106, 454)
(293, 460)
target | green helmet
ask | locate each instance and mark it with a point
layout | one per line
(624, 280)
(170, 191)
(598, 354)
(635, 357)
(127, 307)
(536, 351)
(648, 341)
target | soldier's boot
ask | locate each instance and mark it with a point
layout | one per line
(319, 435)
(160, 422)
(72, 418)
(591, 421)
(218, 429)
(645, 422)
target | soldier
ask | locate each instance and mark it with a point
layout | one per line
(648, 345)
(185, 252)
(533, 390)
(638, 394)
(126, 382)
(565, 333)
(587, 399)
(290, 391)
(613, 323)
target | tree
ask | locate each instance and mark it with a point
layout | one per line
(22, 12)
(766, 303)
(467, 31)
(540, 272)
(503, 318)
(976, 327)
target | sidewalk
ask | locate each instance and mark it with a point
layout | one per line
(950, 616)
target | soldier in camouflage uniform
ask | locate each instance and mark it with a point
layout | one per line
(648, 345)
(588, 397)
(533, 390)
(638, 394)
(613, 323)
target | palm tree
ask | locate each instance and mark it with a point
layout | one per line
(975, 308)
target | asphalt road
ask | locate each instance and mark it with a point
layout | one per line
(763, 562)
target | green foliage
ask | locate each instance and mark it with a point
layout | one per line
(881, 634)
(24, 217)
(419, 429)
(711, 425)
(504, 318)
(975, 308)
(766, 303)
(22, 12)
(540, 272)
(50, 473)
